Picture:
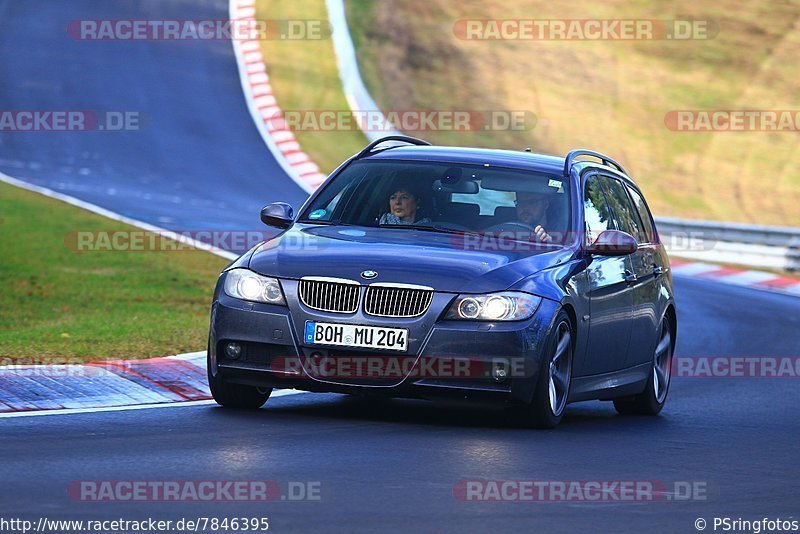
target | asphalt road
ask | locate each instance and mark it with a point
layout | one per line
(394, 466)
(197, 161)
(391, 466)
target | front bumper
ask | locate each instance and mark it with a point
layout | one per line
(455, 359)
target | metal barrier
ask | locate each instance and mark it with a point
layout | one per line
(773, 247)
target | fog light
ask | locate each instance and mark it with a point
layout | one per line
(499, 373)
(233, 350)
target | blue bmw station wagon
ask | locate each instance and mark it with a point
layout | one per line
(421, 271)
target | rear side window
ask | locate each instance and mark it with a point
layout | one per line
(644, 215)
(596, 210)
(625, 215)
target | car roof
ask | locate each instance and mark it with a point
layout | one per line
(502, 158)
(476, 156)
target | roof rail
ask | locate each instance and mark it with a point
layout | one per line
(583, 152)
(404, 138)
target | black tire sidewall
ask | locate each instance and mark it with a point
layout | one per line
(539, 411)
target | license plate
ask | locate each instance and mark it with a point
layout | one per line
(350, 335)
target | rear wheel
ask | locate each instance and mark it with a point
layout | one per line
(652, 400)
(237, 396)
(546, 409)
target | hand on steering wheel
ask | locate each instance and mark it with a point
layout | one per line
(543, 236)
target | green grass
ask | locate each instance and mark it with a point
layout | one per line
(59, 305)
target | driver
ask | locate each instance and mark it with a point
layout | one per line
(532, 210)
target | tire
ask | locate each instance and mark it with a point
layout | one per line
(651, 401)
(236, 396)
(546, 409)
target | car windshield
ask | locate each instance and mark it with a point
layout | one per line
(445, 197)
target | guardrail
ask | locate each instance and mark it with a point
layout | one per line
(774, 247)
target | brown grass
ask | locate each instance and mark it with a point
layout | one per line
(611, 96)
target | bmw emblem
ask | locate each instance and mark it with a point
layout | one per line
(369, 275)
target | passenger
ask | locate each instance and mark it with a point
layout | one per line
(403, 206)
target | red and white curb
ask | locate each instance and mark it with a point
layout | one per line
(265, 109)
(107, 384)
(103, 384)
(739, 277)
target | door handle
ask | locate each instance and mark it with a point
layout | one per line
(658, 270)
(630, 277)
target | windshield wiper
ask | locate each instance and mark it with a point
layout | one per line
(326, 223)
(431, 228)
(315, 221)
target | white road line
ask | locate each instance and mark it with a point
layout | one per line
(201, 354)
(353, 88)
(74, 411)
(198, 358)
(94, 208)
(694, 269)
(747, 278)
(795, 289)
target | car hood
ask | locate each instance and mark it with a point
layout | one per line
(446, 262)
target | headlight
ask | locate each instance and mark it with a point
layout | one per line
(506, 306)
(247, 285)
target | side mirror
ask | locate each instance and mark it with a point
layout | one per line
(277, 214)
(613, 243)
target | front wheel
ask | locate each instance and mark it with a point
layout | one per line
(546, 409)
(236, 396)
(652, 400)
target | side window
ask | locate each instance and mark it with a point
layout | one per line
(624, 213)
(644, 214)
(331, 207)
(325, 206)
(596, 210)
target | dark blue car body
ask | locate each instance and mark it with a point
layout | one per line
(618, 306)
